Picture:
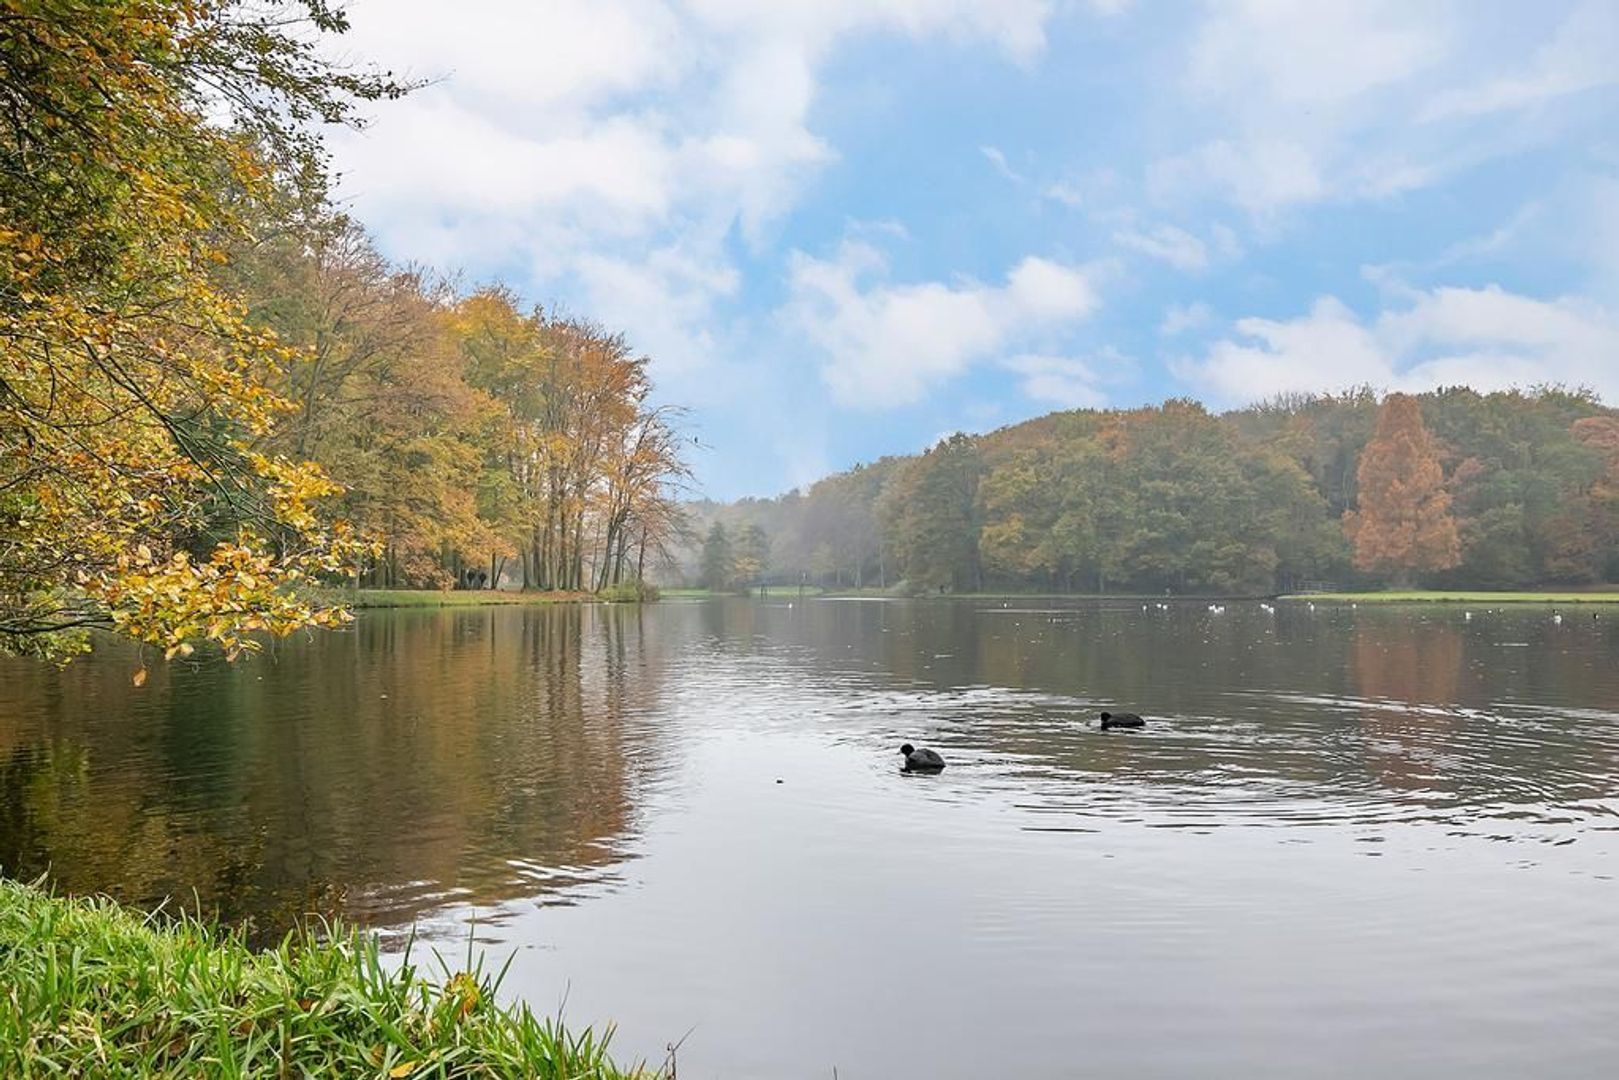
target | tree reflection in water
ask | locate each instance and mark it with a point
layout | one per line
(477, 754)
(429, 760)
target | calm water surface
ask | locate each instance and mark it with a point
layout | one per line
(1352, 841)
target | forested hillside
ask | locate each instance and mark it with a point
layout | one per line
(1448, 488)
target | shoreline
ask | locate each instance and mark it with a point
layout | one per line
(378, 599)
(1455, 596)
(103, 989)
(385, 599)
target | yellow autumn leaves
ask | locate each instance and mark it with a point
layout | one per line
(135, 396)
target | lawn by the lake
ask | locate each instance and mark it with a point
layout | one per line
(433, 598)
(1450, 596)
(786, 591)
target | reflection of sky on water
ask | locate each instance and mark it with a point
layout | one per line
(1348, 839)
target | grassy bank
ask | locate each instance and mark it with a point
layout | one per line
(1443, 596)
(435, 598)
(785, 592)
(93, 989)
(788, 592)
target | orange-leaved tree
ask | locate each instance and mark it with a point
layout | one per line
(134, 393)
(1403, 526)
(1601, 434)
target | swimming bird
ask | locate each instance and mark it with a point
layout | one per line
(1557, 617)
(921, 760)
(1121, 720)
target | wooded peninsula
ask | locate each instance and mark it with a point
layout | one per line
(1451, 489)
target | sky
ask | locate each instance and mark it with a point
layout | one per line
(846, 228)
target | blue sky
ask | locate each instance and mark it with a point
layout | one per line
(844, 228)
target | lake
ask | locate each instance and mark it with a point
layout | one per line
(1351, 841)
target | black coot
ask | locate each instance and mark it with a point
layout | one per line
(921, 760)
(1121, 720)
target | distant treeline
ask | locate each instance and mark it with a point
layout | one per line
(1450, 488)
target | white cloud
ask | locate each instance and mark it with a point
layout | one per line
(663, 302)
(1175, 246)
(1178, 318)
(508, 57)
(1582, 55)
(1599, 237)
(998, 161)
(1067, 382)
(1316, 53)
(1259, 175)
(1522, 238)
(1093, 189)
(460, 158)
(1040, 289)
(1496, 320)
(1016, 26)
(1484, 338)
(1344, 100)
(1300, 92)
(1066, 192)
(1303, 95)
(1496, 240)
(887, 345)
(604, 144)
(1326, 348)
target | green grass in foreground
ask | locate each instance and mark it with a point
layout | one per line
(1411, 596)
(93, 989)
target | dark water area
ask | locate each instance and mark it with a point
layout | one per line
(1350, 842)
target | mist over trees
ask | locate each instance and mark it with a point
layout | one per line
(1450, 488)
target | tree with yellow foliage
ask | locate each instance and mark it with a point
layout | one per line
(135, 397)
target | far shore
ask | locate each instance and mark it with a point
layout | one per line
(1452, 596)
(373, 599)
(1606, 594)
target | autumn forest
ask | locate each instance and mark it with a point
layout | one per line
(1450, 488)
(217, 392)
